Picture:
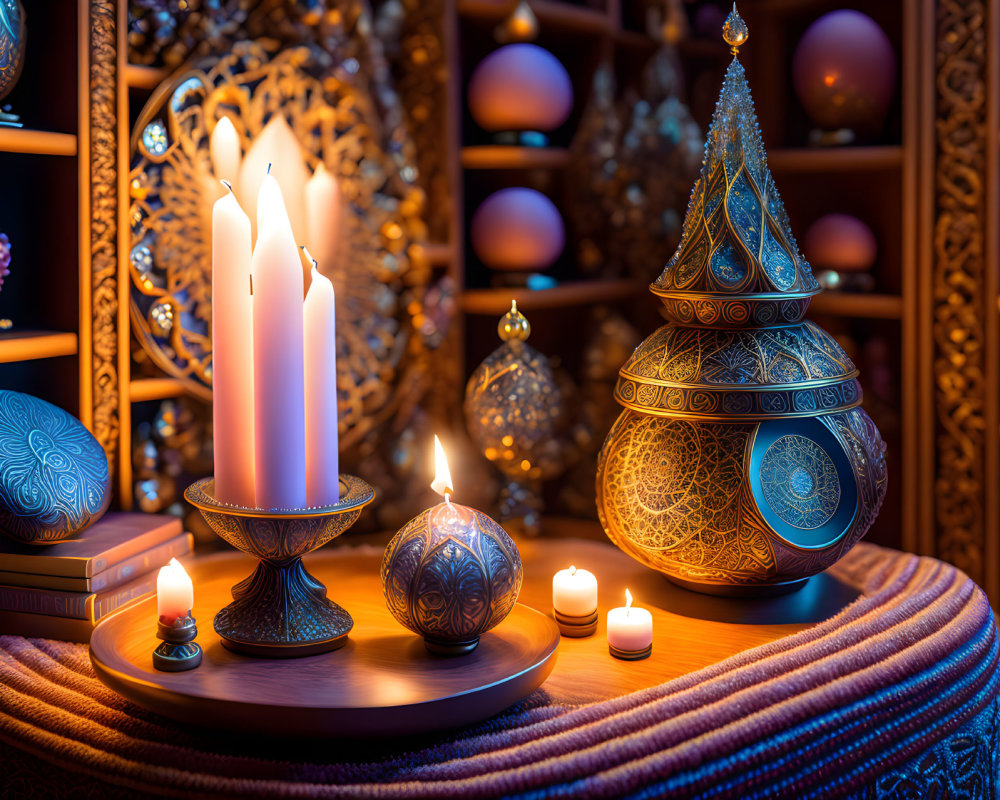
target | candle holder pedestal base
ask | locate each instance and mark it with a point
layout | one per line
(281, 611)
(450, 648)
(179, 651)
(630, 655)
(576, 627)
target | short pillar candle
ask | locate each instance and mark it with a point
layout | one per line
(574, 602)
(630, 631)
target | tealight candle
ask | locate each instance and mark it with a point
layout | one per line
(630, 631)
(174, 592)
(176, 627)
(574, 601)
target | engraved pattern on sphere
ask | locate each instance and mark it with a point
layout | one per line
(800, 482)
(451, 574)
(54, 477)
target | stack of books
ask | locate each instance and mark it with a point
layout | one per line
(61, 591)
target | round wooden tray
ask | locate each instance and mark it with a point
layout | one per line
(383, 682)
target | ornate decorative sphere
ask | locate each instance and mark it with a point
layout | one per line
(844, 71)
(450, 575)
(54, 476)
(513, 409)
(517, 229)
(840, 242)
(520, 87)
(12, 39)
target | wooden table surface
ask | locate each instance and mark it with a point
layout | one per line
(690, 630)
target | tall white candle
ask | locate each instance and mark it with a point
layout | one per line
(224, 149)
(174, 592)
(232, 354)
(574, 592)
(322, 457)
(323, 214)
(278, 147)
(630, 628)
(279, 367)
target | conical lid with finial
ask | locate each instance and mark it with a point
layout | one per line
(737, 264)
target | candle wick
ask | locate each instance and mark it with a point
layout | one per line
(309, 257)
(268, 167)
(228, 185)
(251, 285)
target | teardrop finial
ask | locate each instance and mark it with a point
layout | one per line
(735, 31)
(514, 325)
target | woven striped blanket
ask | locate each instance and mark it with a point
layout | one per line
(896, 696)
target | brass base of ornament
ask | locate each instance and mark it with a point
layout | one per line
(281, 611)
(179, 651)
(756, 590)
(576, 627)
(449, 649)
(630, 655)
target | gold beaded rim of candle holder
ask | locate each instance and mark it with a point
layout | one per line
(280, 610)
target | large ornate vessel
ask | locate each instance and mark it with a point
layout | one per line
(742, 463)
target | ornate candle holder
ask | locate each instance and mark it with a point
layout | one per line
(179, 651)
(281, 611)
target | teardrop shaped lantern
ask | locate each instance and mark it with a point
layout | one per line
(742, 463)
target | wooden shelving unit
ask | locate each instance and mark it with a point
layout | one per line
(141, 77)
(142, 390)
(30, 345)
(504, 157)
(861, 306)
(40, 143)
(578, 293)
(836, 159)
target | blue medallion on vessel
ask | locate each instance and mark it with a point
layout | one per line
(54, 476)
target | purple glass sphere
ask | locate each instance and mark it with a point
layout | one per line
(844, 70)
(520, 87)
(517, 229)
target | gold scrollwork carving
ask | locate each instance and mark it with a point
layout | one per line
(959, 270)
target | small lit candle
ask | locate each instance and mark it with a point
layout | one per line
(224, 150)
(630, 630)
(574, 592)
(174, 592)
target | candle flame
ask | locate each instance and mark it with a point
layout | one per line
(177, 566)
(572, 570)
(442, 475)
(628, 602)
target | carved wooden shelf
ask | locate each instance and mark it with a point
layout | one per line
(44, 143)
(29, 345)
(497, 301)
(142, 390)
(140, 77)
(439, 253)
(835, 159)
(510, 157)
(551, 14)
(867, 306)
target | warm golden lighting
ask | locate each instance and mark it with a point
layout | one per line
(442, 475)
(829, 80)
(628, 601)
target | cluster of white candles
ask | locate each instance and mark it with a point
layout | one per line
(574, 594)
(274, 365)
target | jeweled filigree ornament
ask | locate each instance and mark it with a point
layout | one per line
(742, 462)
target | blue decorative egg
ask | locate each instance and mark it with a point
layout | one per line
(54, 476)
(12, 36)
